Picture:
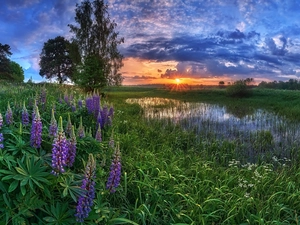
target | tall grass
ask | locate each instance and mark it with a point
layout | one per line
(170, 175)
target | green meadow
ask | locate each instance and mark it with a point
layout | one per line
(172, 173)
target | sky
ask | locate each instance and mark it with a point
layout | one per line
(196, 41)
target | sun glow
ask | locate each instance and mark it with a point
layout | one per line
(177, 80)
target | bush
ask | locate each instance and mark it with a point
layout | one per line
(238, 89)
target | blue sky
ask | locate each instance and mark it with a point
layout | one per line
(198, 41)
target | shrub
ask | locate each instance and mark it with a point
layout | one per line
(238, 89)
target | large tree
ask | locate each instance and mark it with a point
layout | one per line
(55, 60)
(98, 43)
(5, 53)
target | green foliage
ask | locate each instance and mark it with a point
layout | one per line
(16, 71)
(9, 70)
(238, 89)
(98, 43)
(291, 84)
(170, 175)
(4, 60)
(55, 60)
(90, 74)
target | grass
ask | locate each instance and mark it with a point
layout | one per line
(169, 175)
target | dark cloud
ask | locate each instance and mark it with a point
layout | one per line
(275, 50)
(137, 77)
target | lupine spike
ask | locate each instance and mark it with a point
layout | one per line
(85, 202)
(60, 151)
(81, 132)
(1, 120)
(98, 135)
(53, 125)
(69, 126)
(1, 141)
(72, 149)
(36, 130)
(25, 115)
(115, 171)
(9, 115)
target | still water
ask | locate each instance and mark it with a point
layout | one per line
(231, 123)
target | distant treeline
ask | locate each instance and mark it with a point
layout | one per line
(291, 84)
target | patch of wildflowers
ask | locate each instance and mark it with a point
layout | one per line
(85, 202)
(36, 130)
(115, 171)
(9, 115)
(60, 151)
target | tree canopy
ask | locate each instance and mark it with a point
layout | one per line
(17, 72)
(9, 70)
(5, 53)
(56, 60)
(97, 43)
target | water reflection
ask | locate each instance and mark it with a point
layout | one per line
(246, 125)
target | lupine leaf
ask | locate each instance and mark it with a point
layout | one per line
(13, 185)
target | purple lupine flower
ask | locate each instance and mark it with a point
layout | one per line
(80, 103)
(53, 125)
(1, 141)
(43, 97)
(66, 98)
(72, 149)
(69, 126)
(89, 105)
(85, 202)
(60, 151)
(104, 114)
(111, 112)
(9, 115)
(36, 130)
(80, 131)
(73, 107)
(96, 104)
(1, 120)
(25, 116)
(115, 171)
(98, 135)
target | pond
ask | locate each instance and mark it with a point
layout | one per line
(258, 129)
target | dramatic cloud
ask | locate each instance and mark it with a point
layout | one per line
(196, 39)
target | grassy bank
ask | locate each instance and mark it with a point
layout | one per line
(169, 175)
(284, 102)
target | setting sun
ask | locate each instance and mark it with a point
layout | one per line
(177, 80)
